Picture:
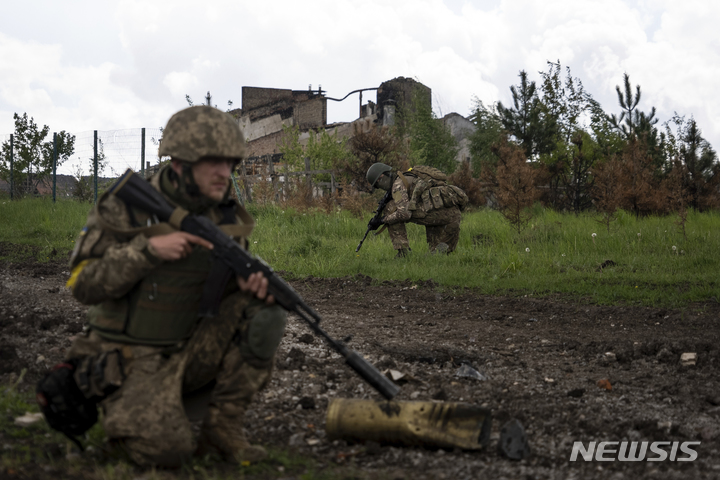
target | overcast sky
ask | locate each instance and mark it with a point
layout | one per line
(79, 65)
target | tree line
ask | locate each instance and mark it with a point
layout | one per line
(557, 137)
(554, 143)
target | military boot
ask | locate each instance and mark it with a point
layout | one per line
(223, 434)
(222, 428)
(402, 252)
(441, 247)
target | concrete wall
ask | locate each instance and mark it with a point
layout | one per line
(461, 128)
(263, 126)
(266, 111)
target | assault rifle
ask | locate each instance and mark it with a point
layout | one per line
(374, 221)
(136, 192)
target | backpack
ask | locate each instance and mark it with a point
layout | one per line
(431, 191)
(423, 172)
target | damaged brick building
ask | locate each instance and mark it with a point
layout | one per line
(266, 111)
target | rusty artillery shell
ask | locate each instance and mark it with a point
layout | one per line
(429, 424)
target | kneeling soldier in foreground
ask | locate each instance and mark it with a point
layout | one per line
(167, 322)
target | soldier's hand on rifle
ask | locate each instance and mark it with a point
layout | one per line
(256, 284)
(375, 223)
(176, 245)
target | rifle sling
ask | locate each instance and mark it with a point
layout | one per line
(404, 180)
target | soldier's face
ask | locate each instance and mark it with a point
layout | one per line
(212, 177)
(383, 182)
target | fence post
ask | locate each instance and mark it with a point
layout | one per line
(142, 152)
(54, 164)
(308, 177)
(273, 177)
(12, 161)
(95, 160)
(246, 185)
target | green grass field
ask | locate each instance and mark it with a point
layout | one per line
(650, 262)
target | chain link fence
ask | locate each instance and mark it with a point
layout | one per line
(99, 156)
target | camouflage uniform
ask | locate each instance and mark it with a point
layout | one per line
(222, 360)
(442, 225)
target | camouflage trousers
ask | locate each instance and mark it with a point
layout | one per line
(441, 226)
(148, 414)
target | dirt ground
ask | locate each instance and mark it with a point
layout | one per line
(543, 358)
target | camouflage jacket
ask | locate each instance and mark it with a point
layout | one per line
(401, 198)
(106, 264)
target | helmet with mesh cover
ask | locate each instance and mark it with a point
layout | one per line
(201, 132)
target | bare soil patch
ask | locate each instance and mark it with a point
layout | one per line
(543, 358)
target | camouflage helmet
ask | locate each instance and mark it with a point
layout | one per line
(199, 132)
(376, 171)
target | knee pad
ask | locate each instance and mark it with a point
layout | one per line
(262, 333)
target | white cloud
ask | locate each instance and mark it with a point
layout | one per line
(130, 63)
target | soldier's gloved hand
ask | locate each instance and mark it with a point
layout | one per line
(374, 223)
(256, 284)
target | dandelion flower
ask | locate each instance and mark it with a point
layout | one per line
(674, 248)
(594, 235)
(255, 241)
(563, 255)
(527, 250)
(638, 234)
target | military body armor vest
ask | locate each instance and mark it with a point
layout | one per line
(162, 309)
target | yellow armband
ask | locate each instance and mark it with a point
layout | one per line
(76, 271)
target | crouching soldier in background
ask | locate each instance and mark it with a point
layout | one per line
(422, 196)
(167, 323)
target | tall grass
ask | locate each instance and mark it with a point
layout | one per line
(555, 254)
(40, 223)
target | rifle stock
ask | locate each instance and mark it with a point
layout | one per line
(135, 191)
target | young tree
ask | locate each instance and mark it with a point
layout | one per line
(639, 186)
(577, 177)
(488, 133)
(33, 154)
(678, 194)
(574, 152)
(566, 100)
(323, 151)
(529, 120)
(607, 190)
(634, 119)
(636, 124)
(378, 144)
(515, 189)
(85, 184)
(687, 144)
